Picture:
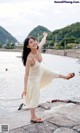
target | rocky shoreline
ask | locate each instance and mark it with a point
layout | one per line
(59, 117)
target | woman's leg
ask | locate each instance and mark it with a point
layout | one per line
(32, 110)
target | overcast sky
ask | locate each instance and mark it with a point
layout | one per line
(19, 17)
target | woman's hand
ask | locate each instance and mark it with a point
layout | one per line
(23, 93)
(45, 34)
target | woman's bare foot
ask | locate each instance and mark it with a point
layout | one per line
(70, 75)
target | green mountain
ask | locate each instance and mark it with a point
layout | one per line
(6, 37)
(38, 31)
(66, 35)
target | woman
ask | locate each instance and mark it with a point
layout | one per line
(34, 74)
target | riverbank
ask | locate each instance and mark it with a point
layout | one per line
(74, 53)
(59, 117)
(10, 50)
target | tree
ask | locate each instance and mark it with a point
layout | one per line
(10, 46)
(0, 45)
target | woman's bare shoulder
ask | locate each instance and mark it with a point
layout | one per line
(30, 58)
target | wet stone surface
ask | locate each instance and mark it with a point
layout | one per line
(59, 118)
(45, 127)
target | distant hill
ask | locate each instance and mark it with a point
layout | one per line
(68, 31)
(6, 37)
(68, 34)
(60, 37)
(37, 32)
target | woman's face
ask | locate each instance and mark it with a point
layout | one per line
(32, 44)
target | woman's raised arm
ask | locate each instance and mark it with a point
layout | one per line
(43, 41)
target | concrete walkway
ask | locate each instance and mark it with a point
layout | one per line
(58, 117)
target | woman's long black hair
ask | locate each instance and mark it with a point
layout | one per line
(26, 50)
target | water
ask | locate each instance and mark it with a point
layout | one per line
(11, 81)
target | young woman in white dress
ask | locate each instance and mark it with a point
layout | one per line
(32, 59)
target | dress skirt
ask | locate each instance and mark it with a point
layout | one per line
(39, 78)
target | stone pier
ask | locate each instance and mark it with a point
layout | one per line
(59, 117)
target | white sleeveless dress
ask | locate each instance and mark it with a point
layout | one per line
(39, 77)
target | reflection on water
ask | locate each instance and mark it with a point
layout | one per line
(12, 74)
